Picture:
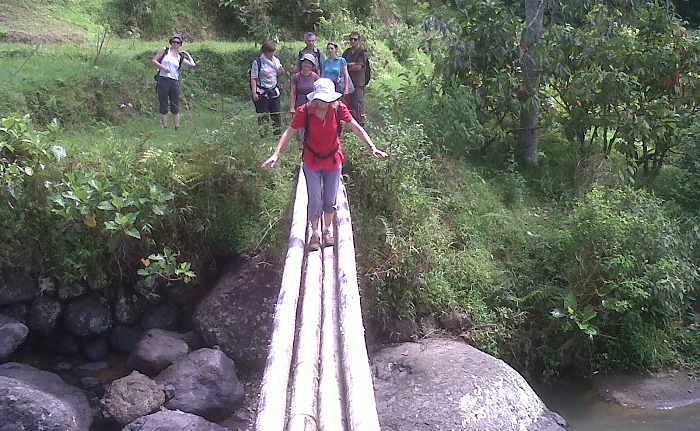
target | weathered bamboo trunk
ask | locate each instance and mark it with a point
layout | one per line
(343, 399)
(273, 394)
(361, 407)
(330, 400)
(303, 401)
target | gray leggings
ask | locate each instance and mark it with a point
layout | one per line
(321, 202)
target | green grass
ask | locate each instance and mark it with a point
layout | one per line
(55, 21)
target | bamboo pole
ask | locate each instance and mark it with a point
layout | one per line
(273, 400)
(361, 406)
(303, 401)
(330, 400)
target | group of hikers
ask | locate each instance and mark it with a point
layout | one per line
(326, 93)
(348, 73)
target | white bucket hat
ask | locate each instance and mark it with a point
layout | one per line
(324, 89)
(309, 57)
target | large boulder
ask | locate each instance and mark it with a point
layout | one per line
(87, 315)
(237, 315)
(157, 350)
(203, 383)
(445, 384)
(165, 315)
(12, 334)
(131, 397)
(16, 287)
(125, 338)
(172, 421)
(43, 315)
(31, 399)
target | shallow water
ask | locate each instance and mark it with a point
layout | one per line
(584, 410)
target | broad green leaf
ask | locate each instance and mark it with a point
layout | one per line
(133, 232)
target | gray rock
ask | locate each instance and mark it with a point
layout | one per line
(43, 315)
(95, 347)
(18, 311)
(163, 316)
(444, 384)
(94, 366)
(182, 293)
(12, 334)
(39, 400)
(172, 421)
(86, 315)
(401, 329)
(70, 291)
(48, 286)
(125, 338)
(126, 309)
(237, 314)
(157, 350)
(15, 287)
(205, 383)
(131, 397)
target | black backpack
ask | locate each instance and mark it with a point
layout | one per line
(250, 70)
(368, 69)
(161, 59)
(306, 131)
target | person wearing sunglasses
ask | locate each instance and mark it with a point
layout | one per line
(356, 57)
(168, 61)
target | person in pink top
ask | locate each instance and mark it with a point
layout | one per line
(323, 156)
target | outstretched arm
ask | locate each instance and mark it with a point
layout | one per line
(280, 145)
(362, 133)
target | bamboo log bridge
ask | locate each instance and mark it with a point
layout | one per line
(317, 375)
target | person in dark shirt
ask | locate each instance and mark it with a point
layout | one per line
(356, 57)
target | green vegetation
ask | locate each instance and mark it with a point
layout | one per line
(587, 262)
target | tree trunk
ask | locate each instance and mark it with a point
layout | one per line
(528, 135)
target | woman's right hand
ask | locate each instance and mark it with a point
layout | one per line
(256, 96)
(270, 162)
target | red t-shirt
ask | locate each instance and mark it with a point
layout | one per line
(322, 136)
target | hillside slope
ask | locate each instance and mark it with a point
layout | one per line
(46, 21)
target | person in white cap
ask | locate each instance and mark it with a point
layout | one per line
(323, 155)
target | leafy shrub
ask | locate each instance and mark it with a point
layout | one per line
(151, 18)
(449, 120)
(624, 281)
(404, 41)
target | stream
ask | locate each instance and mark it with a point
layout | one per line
(584, 410)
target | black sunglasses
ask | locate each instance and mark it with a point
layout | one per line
(177, 42)
(354, 38)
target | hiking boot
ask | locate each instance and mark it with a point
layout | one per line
(328, 239)
(314, 243)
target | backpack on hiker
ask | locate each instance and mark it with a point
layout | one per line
(307, 105)
(368, 69)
